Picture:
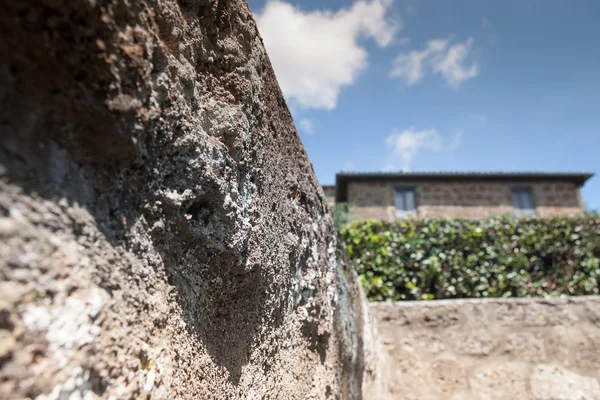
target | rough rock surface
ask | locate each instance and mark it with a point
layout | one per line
(530, 349)
(162, 232)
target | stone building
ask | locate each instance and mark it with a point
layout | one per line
(387, 196)
(329, 191)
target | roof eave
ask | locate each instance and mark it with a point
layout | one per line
(343, 178)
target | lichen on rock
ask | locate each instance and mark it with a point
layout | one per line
(163, 232)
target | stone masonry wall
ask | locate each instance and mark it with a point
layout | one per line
(329, 192)
(526, 349)
(477, 200)
(162, 232)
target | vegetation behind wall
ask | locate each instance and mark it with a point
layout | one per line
(499, 257)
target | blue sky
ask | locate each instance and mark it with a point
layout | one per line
(442, 85)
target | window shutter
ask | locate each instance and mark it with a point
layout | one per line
(523, 202)
(405, 203)
(409, 201)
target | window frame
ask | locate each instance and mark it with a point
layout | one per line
(404, 214)
(523, 212)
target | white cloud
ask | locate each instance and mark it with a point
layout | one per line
(404, 40)
(349, 165)
(450, 65)
(407, 143)
(316, 53)
(411, 66)
(306, 126)
(438, 57)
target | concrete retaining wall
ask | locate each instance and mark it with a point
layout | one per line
(492, 349)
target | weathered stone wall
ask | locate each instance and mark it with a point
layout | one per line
(530, 349)
(371, 200)
(162, 233)
(329, 194)
(557, 199)
(375, 200)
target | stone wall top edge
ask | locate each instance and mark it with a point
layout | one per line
(449, 302)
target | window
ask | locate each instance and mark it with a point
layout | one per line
(523, 201)
(405, 202)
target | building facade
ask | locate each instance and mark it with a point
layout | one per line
(386, 196)
(329, 191)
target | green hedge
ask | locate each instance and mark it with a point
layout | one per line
(498, 257)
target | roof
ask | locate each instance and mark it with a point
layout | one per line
(343, 178)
